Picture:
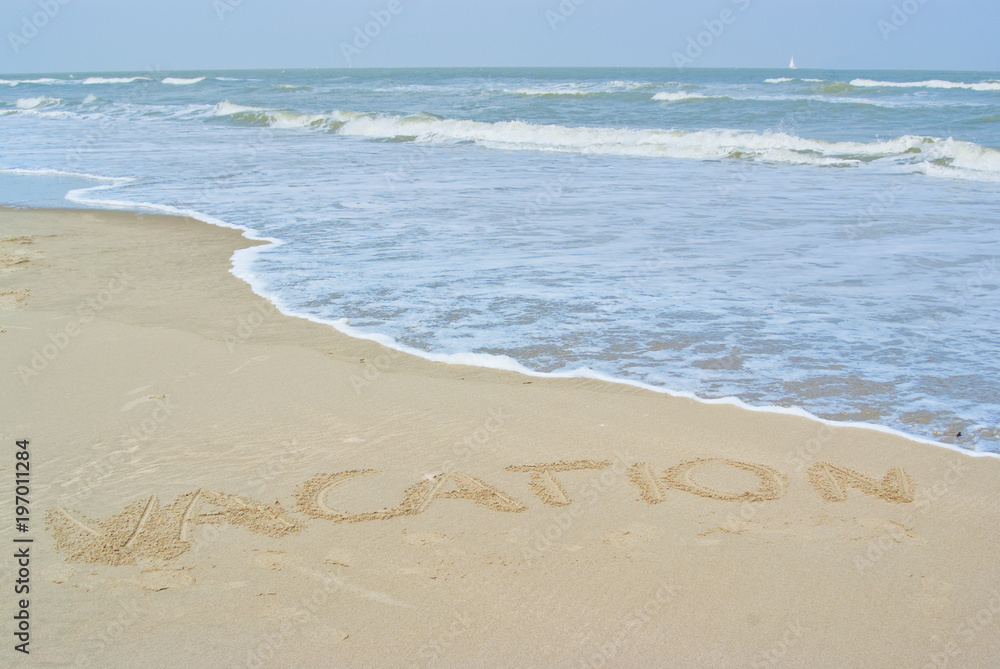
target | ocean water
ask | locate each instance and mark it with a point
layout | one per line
(819, 240)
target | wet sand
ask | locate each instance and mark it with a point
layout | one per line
(215, 484)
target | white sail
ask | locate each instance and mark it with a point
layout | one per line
(791, 64)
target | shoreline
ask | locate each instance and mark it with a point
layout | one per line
(243, 259)
(274, 492)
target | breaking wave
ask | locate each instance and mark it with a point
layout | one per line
(931, 83)
(932, 155)
(113, 80)
(177, 81)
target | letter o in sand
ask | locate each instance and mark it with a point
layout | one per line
(772, 482)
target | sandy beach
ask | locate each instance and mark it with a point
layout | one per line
(216, 484)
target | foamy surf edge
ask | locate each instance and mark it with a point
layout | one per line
(506, 363)
(242, 263)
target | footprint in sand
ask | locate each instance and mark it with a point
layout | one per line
(13, 253)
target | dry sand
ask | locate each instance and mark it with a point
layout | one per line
(215, 484)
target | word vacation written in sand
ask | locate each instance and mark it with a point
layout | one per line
(145, 529)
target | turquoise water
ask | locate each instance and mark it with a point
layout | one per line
(825, 240)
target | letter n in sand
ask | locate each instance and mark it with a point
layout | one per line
(832, 481)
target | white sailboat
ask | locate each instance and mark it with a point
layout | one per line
(791, 65)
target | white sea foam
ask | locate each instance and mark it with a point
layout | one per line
(705, 144)
(677, 96)
(226, 184)
(227, 108)
(276, 118)
(35, 103)
(977, 162)
(16, 82)
(550, 91)
(955, 159)
(629, 85)
(113, 80)
(243, 261)
(178, 81)
(63, 173)
(581, 89)
(84, 196)
(931, 83)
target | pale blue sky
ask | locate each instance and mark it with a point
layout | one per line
(172, 35)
